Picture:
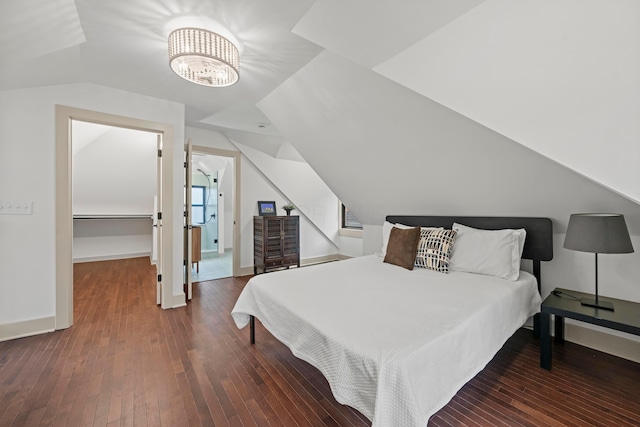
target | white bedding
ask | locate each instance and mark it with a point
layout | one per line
(395, 344)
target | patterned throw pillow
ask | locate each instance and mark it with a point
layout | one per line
(434, 249)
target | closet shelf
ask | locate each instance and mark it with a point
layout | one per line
(113, 216)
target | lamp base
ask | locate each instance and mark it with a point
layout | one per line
(605, 305)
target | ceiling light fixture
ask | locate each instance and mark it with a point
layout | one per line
(203, 57)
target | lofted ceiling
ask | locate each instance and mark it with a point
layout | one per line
(123, 45)
(557, 77)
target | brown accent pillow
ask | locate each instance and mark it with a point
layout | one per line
(402, 246)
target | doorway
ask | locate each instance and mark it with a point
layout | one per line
(212, 216)
(114, 192)
(64, 209)
(215, 177)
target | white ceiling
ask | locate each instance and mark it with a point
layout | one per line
(559, 77)
(123, 44)
(370, 32)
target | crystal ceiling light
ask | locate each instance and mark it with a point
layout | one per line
(203, 57)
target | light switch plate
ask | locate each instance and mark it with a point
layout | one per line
(15, 208)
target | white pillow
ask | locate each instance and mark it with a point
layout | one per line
(386, 229)
(490, 252)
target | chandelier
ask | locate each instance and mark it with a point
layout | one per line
(203, 57)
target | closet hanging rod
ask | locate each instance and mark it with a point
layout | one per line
(113, 216)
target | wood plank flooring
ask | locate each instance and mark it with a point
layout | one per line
(126, 362)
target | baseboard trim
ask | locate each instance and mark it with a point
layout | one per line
(319, 260)
(27, 328)
(246, 271)
(111, 257)
(179, 300)
(607, 343)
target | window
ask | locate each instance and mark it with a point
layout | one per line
(197, 204)
(349, 220)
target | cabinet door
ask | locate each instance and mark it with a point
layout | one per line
(290, 236)
(196, 244)
(273, 237)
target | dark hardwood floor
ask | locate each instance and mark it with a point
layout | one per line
(126, 362)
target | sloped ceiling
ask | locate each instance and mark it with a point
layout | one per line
(84, 133)
(435, 161)
(36, 28)
(307, 191)
(370, 32)
(423, 106)
(562, 78)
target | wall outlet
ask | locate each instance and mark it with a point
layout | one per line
(15, 208)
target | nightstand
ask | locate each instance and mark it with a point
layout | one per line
(566, 303)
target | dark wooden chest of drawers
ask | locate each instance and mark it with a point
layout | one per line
(276, 242)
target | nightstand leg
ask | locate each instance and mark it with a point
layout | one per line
(536, 325)
(545, 341)
(559, 329)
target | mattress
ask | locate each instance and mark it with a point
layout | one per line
(394, 344)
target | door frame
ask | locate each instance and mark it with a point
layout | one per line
(157, 223)
(63, 202)
(188, 221)
(235, 204)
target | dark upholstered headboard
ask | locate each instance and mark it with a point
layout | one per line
(538, 245)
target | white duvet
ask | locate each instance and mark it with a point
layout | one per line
(394, 344)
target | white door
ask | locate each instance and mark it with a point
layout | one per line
(157, 222)
(188, 224)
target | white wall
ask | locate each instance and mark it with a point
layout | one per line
(27, 173)
(351, 246)
(115, 173)
(104, 239)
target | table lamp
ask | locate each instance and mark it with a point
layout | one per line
(603, 233)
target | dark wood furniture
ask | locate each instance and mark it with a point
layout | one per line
(276, 242)
(566, 303)
(196, 247)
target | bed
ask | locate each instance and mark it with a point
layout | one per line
(394, 343)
